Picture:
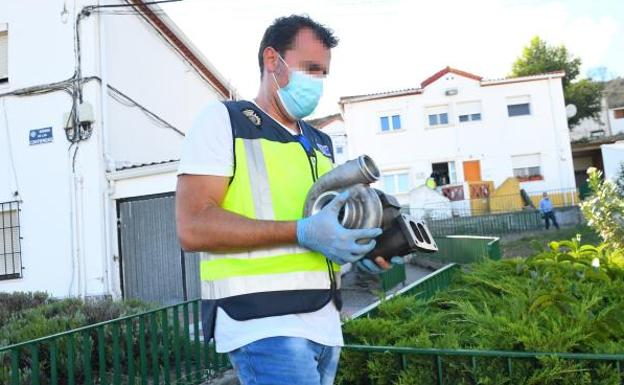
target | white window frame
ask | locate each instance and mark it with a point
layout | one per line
(527, 164)
(10, 229)
(4, 54)
(469, 108)
(515, 100)
(389, 115)
(438, 110)
(395, 174)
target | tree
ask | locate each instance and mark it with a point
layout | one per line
(604, 209)
(620, 179)
(585, 94)
(540, 57)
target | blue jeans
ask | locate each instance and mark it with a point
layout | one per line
(285, 361)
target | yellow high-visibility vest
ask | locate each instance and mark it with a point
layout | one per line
(272, 176)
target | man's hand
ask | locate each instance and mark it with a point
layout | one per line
(380, 265)
(323, 233)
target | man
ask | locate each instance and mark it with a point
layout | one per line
(270, 278)
(546, 208)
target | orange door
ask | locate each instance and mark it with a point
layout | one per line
(472, 171)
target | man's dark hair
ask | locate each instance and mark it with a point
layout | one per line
(281, 34)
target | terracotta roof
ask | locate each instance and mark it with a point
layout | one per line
(380, 95)
(176, 38)
(482, 82)
(324, 121)
(445, 71)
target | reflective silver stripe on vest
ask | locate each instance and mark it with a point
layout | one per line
(263, 205)
(300, 280)
(259, 179)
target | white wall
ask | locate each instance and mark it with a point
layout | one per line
(617, 125)
(613, 158)
(150, 71)
(70, 248)
(336, 130)
(40, 51)
(493, 140)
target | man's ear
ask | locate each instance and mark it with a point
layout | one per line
(270, 58)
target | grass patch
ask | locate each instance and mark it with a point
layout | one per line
(520, 245)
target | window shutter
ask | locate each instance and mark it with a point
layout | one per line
(522, 161)
(468, 108)
(4, 55)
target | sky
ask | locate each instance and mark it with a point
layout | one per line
(396, 44)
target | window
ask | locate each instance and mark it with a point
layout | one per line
(396, 183)
(4, 52)
(389, 123)
(444, 173)
(438, 119)
(469, 117)
(339, 149)
(527, 167)
(597, 133)
(469, 111)
(10, 251)
(618, 114)
(518, 109)
(518, 106)
(437, 116)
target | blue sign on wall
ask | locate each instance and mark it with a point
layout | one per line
(40, 135)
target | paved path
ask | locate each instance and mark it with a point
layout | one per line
(361, 289)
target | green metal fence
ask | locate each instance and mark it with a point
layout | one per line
(393, 277)
(457, 366)
(491, 224)
(462, 366)
(162, 346)
(424, 287)
(466, 248)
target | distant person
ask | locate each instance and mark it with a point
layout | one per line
(546, 208)
(431, 181)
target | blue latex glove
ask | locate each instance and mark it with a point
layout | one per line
(371, 267)
(323, 233)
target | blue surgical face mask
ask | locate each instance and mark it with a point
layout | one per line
(301, 95)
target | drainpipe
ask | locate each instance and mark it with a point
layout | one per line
(106, 163)
(82, 263)
(72, 225)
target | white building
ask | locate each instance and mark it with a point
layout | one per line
(610, 120)
(465, 129)
(333, 125)
(613, 158)
(137, 84)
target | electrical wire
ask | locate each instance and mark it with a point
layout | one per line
(155, 118)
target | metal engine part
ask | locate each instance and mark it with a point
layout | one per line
(369, 208)
(363, 208)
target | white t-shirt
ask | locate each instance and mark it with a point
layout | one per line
(208, 150)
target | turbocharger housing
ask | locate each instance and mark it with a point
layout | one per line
(368, 208)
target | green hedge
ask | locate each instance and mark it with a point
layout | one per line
(568, 298)
(26, 316)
